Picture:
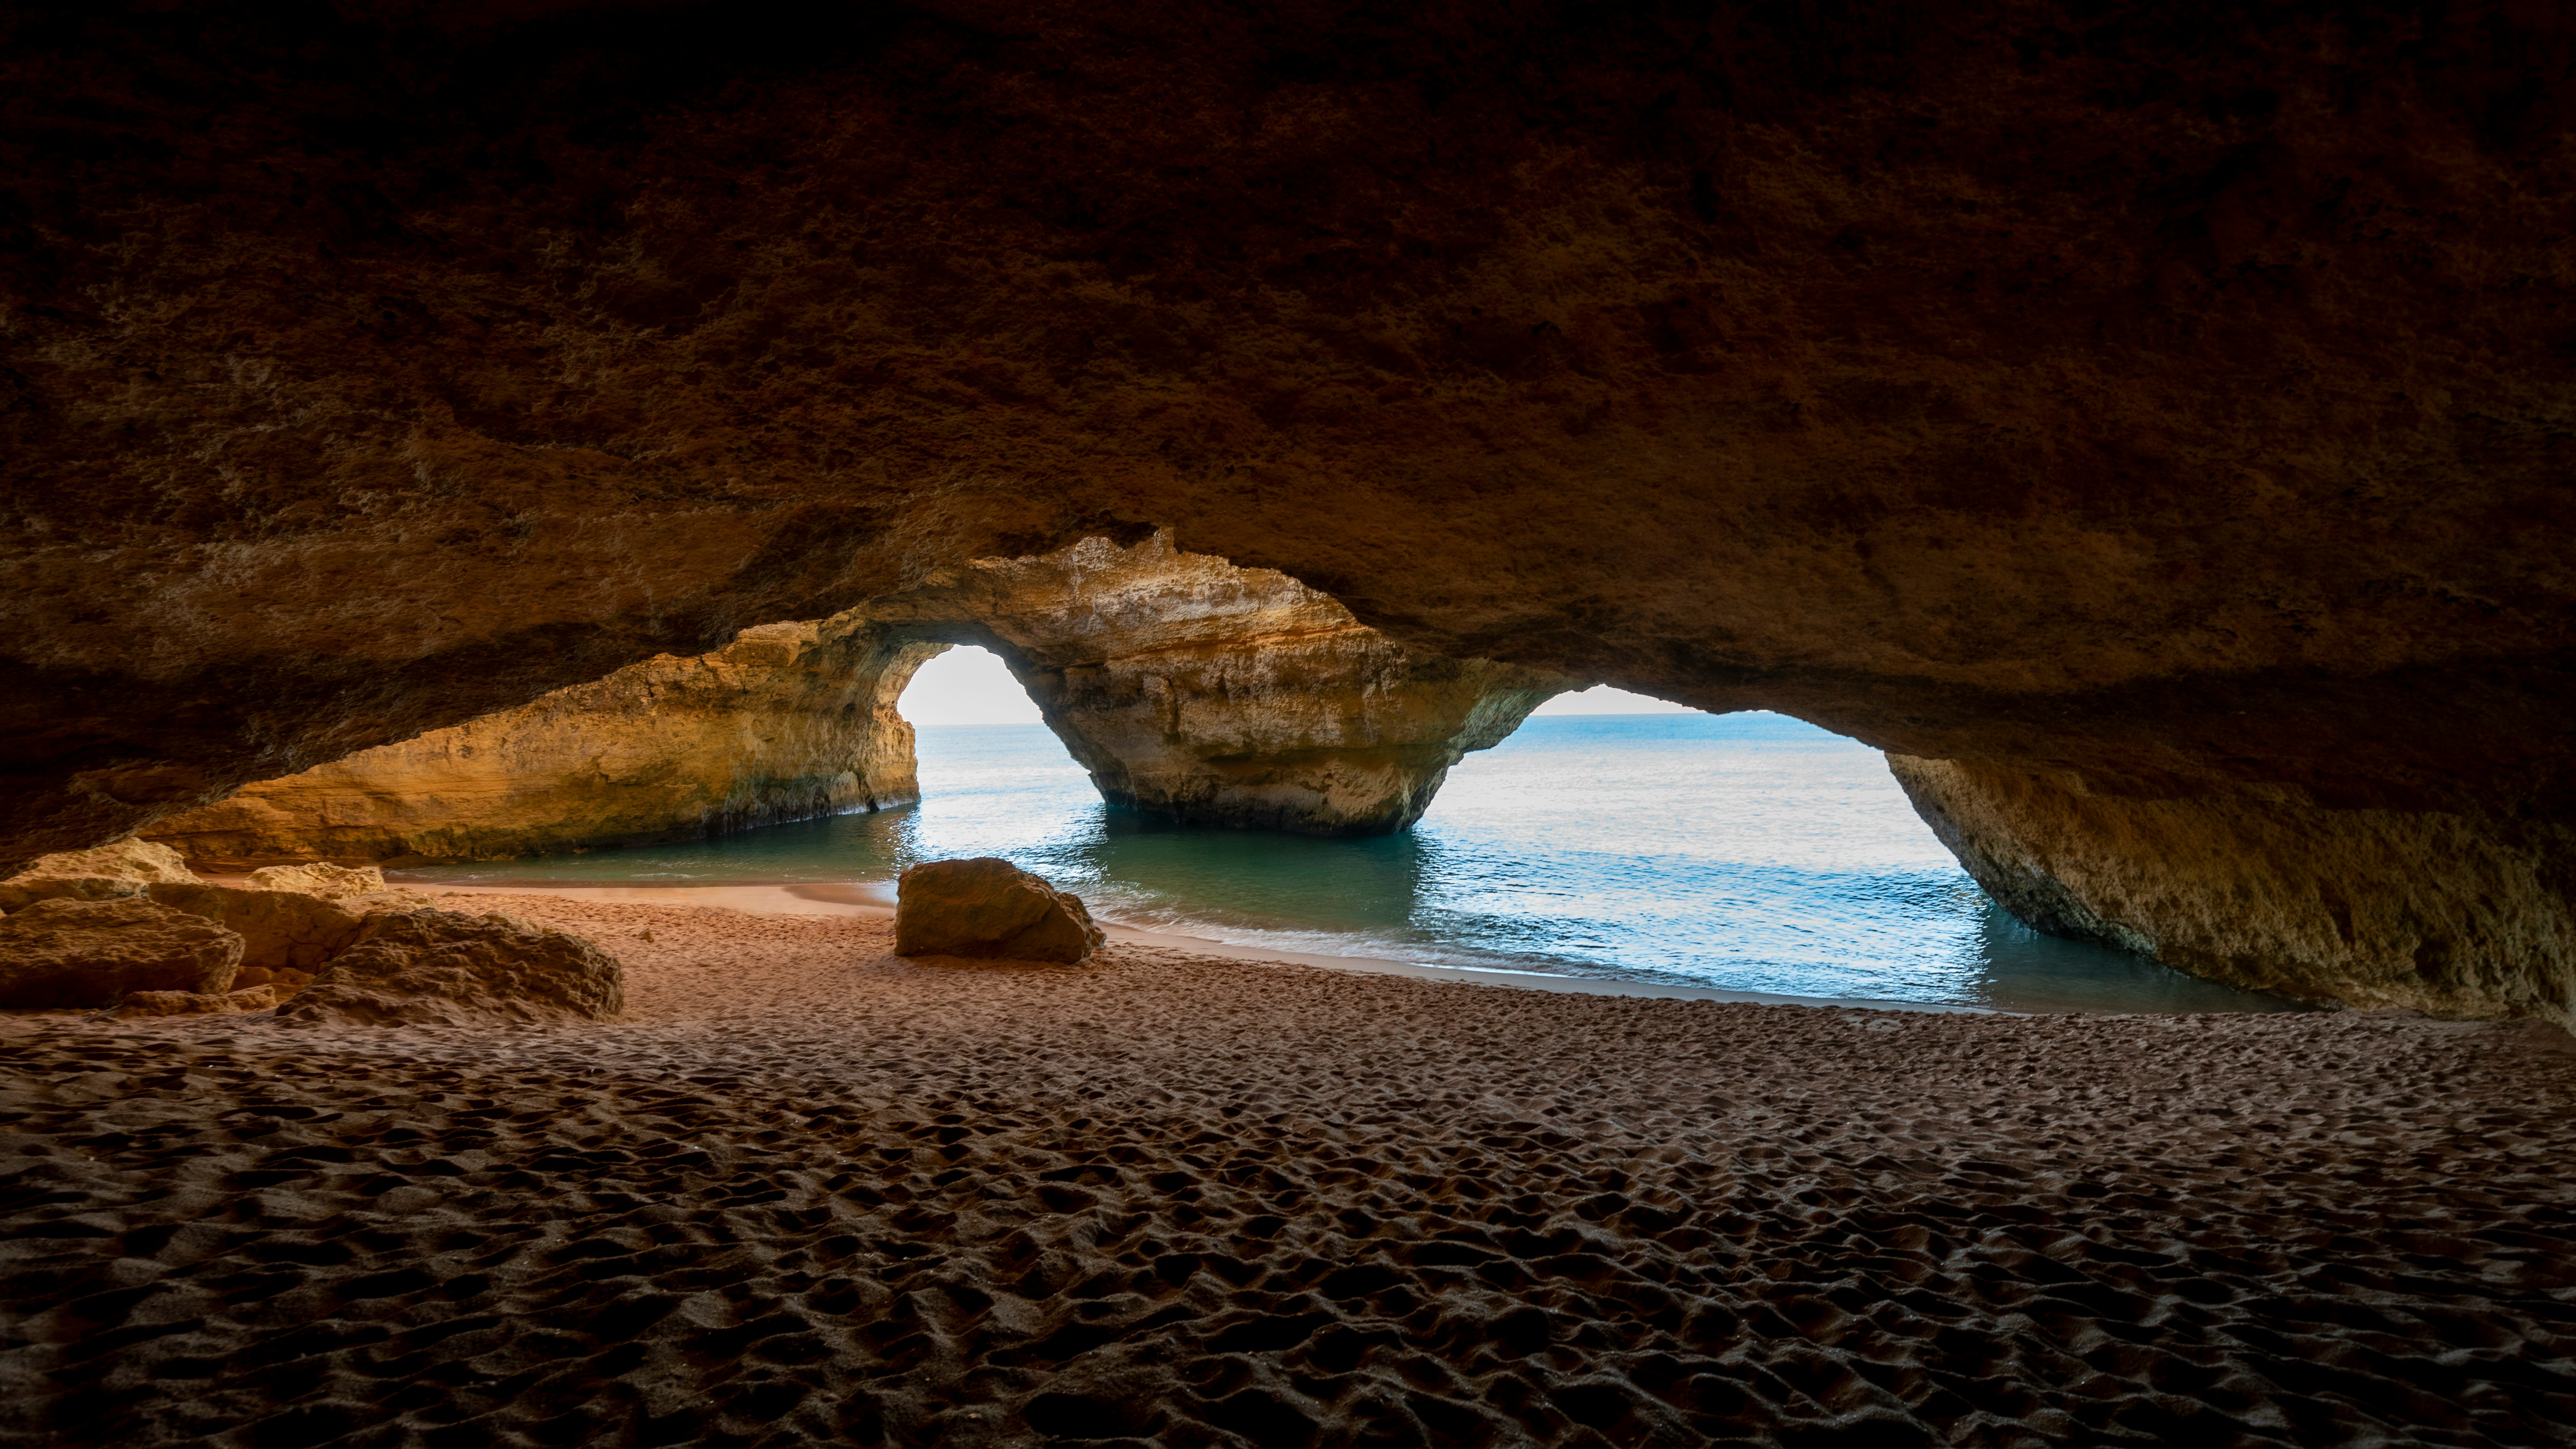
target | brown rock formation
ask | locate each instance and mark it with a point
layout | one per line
(283, 923)
(2374, 908)
(290, 918)
(1220, 695)
(287, 980)
(785, 723)
(280, 930)
(320, 878)
(122, 868)
(2173, 396)
(1187, 686)
(446, 968)
(199, 1003)
(989, 909)
(72, 952)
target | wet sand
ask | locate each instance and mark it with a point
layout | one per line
(808, 1191)
(876, 898)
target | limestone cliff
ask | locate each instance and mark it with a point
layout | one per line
(1188, 687)
(785, 723)
(2432, 911)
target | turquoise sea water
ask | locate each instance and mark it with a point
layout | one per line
(1746, 852)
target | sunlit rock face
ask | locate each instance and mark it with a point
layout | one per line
(785, 723)
(2172, 396)
(1188, 687)
(1217, 695)
(1342, 732)
(2422, 910)
(991, 909)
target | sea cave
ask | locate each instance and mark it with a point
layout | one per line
(2138, 433)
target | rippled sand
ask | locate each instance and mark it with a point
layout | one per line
(808, 1191)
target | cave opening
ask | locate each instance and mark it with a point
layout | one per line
(968, 685)
(1609, 834)
(541, 442)
(1223, 754)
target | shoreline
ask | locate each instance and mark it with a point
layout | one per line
(872, 898)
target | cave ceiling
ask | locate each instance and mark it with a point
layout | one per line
(2174, 395)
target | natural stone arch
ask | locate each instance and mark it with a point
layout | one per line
(1217, 695)
(1189, 688)
(2129, 399)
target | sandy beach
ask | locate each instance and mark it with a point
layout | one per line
(808, 1191)
(876, 898)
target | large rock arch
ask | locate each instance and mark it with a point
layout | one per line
(2165, 399)
(1219, 695)
(1189, 688)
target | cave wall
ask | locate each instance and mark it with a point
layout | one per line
(2414, 910)
(2142, 390)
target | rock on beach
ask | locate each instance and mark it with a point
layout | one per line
(448, 968)
(281, 930)
(320, 878)
(121, 868)
(989, 908)
(69, 952)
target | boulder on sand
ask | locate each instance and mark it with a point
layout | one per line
(989, 908)
(281, 930)
(72, 952)
(448, 968)
(123, 868)
(291, 917)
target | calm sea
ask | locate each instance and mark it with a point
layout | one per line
(1746, 852)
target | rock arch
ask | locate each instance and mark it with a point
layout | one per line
(1189, 688)
(2173, 403)
(1218, 695)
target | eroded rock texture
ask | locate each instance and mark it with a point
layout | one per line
(322, 878)
(121, 868)
(280, 930)
(1218, 695)
(448, 968)
(990, 908)
(1187, 686)
(66, 951)
(199, 1003)
(786, 723)
(2436, 912)
(2174, 396)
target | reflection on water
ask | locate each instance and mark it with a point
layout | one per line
(1746, 852)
